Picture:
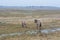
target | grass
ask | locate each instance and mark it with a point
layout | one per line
(11, 28)
(54, 36)
(23, 13)
(6, 28)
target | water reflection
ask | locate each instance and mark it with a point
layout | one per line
(45, 31)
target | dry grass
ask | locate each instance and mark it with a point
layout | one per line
(10, 22)
(11, 28)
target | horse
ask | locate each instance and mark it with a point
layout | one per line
(38, 24)
(24, 24)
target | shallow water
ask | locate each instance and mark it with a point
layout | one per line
(45, 31)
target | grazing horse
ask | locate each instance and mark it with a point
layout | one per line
(24, 24)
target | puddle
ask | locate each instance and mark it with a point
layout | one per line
(11, 34)
(45, 31)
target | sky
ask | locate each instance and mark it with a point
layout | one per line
(30, 3)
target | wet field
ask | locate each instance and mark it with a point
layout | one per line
(11, 29)
(34, 32)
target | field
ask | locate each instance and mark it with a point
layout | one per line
(10, 24)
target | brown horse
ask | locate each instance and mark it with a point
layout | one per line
(38, 24)
(24, 24)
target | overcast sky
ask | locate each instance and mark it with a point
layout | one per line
(30, 3)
